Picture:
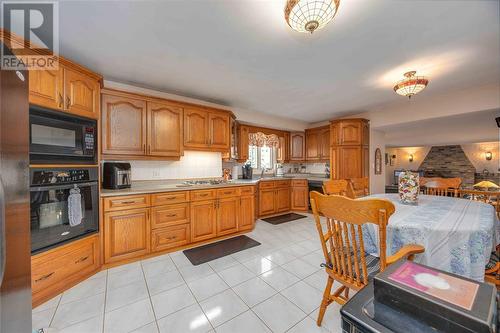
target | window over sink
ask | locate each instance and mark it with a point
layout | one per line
(262, 157)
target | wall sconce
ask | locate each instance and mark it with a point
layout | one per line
(488, 155)
(410, 158)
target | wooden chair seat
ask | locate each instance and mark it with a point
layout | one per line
(372, 265)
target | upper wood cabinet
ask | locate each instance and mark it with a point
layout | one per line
(124, 122)
(165, 124)
(81, 94)
(297, 146)
(318, 143)
(69, 89)
(349, 132)
(136, 127)
(196, 128)
(349, 156)
(206, 130)
(47, 88)
(243, 132)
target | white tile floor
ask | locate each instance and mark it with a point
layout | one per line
(274, 287)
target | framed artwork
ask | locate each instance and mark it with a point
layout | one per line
(378, 162)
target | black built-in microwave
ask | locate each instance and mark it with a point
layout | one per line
(61, 138)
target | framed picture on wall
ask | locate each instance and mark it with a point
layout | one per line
(378, 162)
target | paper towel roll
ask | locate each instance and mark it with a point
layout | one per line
(235, 172)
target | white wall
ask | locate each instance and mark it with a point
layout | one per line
(377, 182)
(192, 165)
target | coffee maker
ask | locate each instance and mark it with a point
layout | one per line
(116, 175)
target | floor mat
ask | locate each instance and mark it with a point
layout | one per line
(283, 218)
(205, 253)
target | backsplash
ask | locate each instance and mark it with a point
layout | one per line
(192, 165)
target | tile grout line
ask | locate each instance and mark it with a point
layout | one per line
(105, 298)
(149, 296)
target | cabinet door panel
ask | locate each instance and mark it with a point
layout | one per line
(46, 88)
(351, 132)
(300, 198)
(325, 144)
(297, 147)
(165, 127)
(127, 234)
(350, 161)
(219, 131)
(267, 203)
(81, 94)
(243, 144)
(312, 145)
(228, 211)
(203, 220)
(247, 213)
(196, 128)
(123, 126)
(283, 200)
(166, 238)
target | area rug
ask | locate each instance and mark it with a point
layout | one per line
(205, 253)
(283, 218)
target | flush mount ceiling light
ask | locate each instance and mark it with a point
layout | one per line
(411, 84)
(310, 15)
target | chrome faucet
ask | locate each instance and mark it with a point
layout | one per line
(262, 172)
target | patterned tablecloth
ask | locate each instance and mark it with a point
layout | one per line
(458, 234)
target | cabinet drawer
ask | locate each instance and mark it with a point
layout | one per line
(203, 195)
(228, 192)
(266, 184)
(163, 216)
(64, 264)
(247, 190)
(169, 237)
(299, 182)
(126, 202)
(282, 183)
(169, 198)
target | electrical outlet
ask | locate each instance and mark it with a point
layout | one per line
(156, 174)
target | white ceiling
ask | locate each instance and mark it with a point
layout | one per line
(241, 53)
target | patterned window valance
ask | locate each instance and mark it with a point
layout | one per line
(260, 139)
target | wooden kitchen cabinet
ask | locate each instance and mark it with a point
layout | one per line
(124, 122)
(164, 128)
(297, 146)
(324, 143)
(267, 202)
(203, 220)
(135, 127)
(126, 234)
(196, 128)
(243, 132)
(70, 89)
(247, 213)
(46, 88)
(282, 200)
(228, 212)
(219, 131)
(170, 237)
(58, 269)
(349, 152)
(81, 93)
(300, 195)
(318, 144)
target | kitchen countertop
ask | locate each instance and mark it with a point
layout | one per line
(171, 185)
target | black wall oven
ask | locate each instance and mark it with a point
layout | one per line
(59, 138)
(64, 205)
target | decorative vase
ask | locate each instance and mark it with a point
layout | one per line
(408, 188)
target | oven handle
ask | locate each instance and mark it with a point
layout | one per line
(60, 187)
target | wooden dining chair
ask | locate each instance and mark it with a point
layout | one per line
(343, 243)
(360, 187)
(336, 186)
(440, 186)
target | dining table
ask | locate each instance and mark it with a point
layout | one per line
(458, 234)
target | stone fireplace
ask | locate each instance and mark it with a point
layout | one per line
(448, 162)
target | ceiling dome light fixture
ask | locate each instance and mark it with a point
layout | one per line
(310, 15)
(411, 84)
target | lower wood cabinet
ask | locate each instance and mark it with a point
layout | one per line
(282, 200)
(227, 215)
(126, 234)
(247, 213)
(170, 237)
(300, 198)
(267, 202)
(58, 269)
(203, 220)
